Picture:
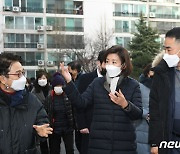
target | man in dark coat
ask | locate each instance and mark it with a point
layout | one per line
(164, 98)
(74, 68)
(84, 117)
(22, 116)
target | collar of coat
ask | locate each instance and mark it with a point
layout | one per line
(22, 106)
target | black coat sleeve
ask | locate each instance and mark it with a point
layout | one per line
(134, 110)
(80, 101)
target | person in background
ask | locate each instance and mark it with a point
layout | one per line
(60, 114)
(116, 100)
(146, 77)
(28, 84)
(41, 90)
(164, 104)
(22, 116)
(142, 125)
(84, 117)
(74, 68)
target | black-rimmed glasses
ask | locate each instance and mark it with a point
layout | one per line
(19, 74)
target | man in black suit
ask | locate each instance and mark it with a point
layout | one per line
(84, 117)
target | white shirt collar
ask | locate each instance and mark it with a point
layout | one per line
(98, 73)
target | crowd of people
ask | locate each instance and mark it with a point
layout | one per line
(106, 110)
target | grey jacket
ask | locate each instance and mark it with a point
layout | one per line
(142, 125)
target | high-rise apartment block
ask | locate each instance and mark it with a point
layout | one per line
(42, 31)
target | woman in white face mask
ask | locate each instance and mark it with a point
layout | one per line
(60, 114)
(116, 100)
(41, 90)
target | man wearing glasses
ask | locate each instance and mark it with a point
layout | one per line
(22, 116)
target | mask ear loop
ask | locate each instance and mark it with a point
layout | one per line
(7, 87)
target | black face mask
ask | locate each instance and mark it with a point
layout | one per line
(103, 72)
(71, 74)
(151, 76)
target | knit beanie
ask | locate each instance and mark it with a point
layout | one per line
(57, 80)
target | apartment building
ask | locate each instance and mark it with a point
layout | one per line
(44, 32)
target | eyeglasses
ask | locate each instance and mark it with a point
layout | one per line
(19, 74)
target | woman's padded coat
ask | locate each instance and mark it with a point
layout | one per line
(112, 130)
(17, 135)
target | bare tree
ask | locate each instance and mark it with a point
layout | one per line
(87, 51)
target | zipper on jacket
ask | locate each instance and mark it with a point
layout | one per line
(10, 129)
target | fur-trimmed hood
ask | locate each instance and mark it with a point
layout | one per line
(158, 58)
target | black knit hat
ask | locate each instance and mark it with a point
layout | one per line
(57, 80)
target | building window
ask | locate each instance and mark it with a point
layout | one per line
(20, 41)
(123, 41)
(38, 22)
(9, 40)
(69, 7)
(30, 23)
(8, 2)
(34, 6)
(74, 24)
(19, 24)
(31, 74)
(15, 2)
(132, 10)
(9, 22)
(70, 24)
(122, 26)
(57, 23)
(30, 58)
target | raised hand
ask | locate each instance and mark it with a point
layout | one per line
(65, 73)
(43, 130)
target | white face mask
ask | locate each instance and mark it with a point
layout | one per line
(58, 90)
(19, 84)
(171, 60)
(42, 82)
(113, 71)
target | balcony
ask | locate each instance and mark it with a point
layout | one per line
(66, 46)
(126, 14)
(20, 45)
(65, 11)
(167, 16)
(30, 9)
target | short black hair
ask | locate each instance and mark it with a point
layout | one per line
(174, 33)
(6, 60)
(75, 65)
(101, 56)
(147, 69)
(39, 74)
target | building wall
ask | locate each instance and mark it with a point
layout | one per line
(71, 21)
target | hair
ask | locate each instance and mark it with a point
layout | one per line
(146, 69)
(75, 65)
(124, 57)
(174, 33)
(36, 85)
(6, 60)
(101, 56)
